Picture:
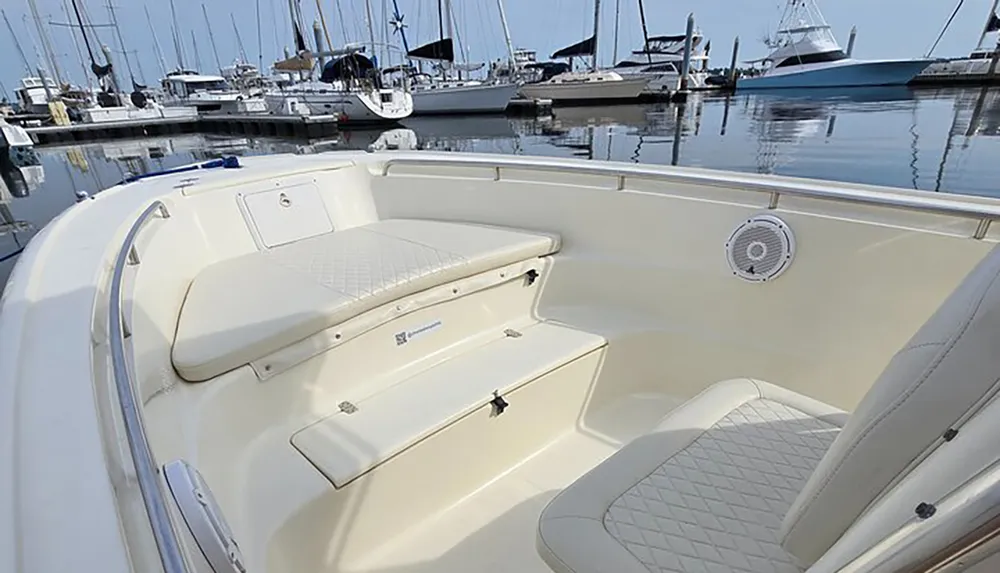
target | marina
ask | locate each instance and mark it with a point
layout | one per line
(445, 286)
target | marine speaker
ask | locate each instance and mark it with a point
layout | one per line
(760, 249)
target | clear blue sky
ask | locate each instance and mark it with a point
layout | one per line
(887, 28)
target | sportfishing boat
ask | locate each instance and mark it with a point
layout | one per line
(438, 362)
(805, 54)
(207, 93)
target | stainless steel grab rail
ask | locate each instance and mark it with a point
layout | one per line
(775, 188)
(146, 471)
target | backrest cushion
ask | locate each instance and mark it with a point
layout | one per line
(947, 370)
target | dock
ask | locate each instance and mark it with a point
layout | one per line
(263, 125)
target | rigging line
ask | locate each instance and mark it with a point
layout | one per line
(121, 43)
(343, 22)
(76, 45)
(20, 51)
(945, 29)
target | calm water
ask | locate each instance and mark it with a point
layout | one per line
(938, 140)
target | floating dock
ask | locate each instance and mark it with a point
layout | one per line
(260, 125)
(310, 126)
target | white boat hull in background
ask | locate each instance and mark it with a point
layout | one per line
(354, 107)
(483, 98)
(586, 90)
(126, 113)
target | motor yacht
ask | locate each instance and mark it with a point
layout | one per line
(805, 54)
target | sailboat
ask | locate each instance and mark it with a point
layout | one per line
(593, 85)
(806, 54)
(973, 69)
(444, 94)
(349, 86)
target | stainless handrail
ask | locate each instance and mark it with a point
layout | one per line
(776, 188)
(146, 471)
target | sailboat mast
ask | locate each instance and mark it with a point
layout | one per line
(986, 27)
(211, 37)
(20, 51)
(121, 43)
(618, 12)
(441, 20)
(645, 31)
(43, 37)
(156, 43)
(371, 25)
(76, 44)
(506, 34)
(597, 27)
(177, 37)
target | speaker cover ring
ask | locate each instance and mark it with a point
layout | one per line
(760, 249)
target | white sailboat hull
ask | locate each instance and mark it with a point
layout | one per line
(492, 98)
(354, 106)
(586, 91)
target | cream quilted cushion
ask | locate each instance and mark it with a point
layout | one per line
(705, 491)
(242, 309)
(946, 371)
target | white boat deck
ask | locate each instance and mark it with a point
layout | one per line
(494, 529)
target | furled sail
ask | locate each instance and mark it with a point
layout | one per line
(584, 48)
(994, 23)
(298, 63)
(441, 50)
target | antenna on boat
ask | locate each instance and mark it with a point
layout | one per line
(156, 43)
(645, 31)
(239, 39)
(211, 37)
(177, 39)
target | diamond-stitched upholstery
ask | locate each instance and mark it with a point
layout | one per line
(242, 309)
(720, 500)
(704, 492)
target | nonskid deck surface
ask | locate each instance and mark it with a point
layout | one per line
(493, 530)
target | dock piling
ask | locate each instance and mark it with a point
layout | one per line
(686, 64)
(850, 41)
(731, 80)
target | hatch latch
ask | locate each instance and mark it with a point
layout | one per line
(498, 403)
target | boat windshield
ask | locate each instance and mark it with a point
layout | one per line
(205, 86)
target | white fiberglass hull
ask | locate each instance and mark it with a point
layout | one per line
(491, 98)
(585, 91)
(354, 107)
(316, 334)
(125, 113)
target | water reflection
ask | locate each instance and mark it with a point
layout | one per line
(939, 140)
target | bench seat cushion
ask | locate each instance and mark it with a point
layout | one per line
(244, 308)
(704, 491)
